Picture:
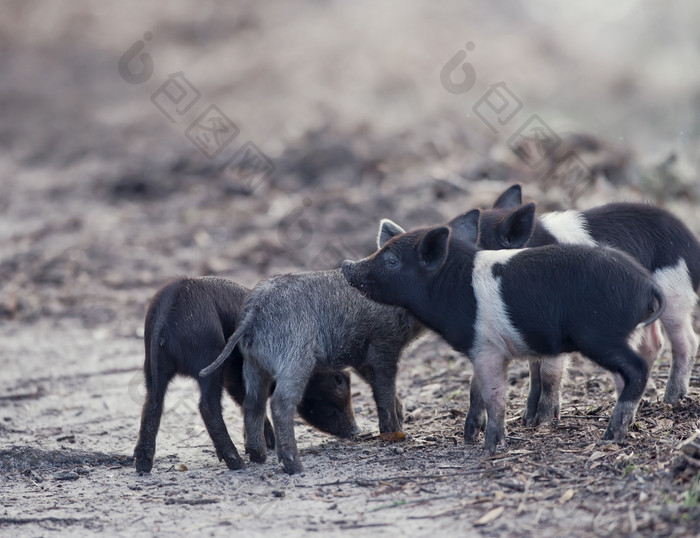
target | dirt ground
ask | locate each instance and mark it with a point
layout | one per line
(106, 192)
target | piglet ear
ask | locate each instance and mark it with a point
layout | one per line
(511, 198)
(432, 247)
(387, 230)
(465, 227)
(516, 228)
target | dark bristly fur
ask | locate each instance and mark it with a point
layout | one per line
(296, 325)
(187, 324)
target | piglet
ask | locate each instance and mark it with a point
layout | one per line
(297, 325)
(187, 324)
(494, 305)
(658, 240)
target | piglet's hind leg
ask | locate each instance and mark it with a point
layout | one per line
(289, 392)
(476, 417)
(210, 409)
(150, 418)
(257, 390)
(684, 347)
(490, 369)
(533, 397)
(634, 370)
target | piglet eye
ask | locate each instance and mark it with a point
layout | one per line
(391, 260)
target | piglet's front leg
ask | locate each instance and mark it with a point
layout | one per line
(490, 371)
(381, 373)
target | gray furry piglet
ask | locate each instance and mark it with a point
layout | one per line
(495, 305)
(187, 324)
(296, 325)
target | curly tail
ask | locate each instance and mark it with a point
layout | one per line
(658, 309)
(228, 348)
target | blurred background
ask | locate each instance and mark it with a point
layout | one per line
(141, 140)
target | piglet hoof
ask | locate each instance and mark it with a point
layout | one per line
(292, 466)
(472, 426)
(144, 463)
(488, 452)
(256, 456)
(349, 432)
(615, 434)
(144, 467)
(234, 463)
(673, 396)
(495, 438)
(542, 417)
(527, 419)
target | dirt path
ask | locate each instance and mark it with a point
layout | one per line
(69, 431)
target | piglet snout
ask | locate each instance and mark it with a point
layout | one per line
(348, 269)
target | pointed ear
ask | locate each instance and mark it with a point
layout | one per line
(516, 228)
(387, 230)
(511, 198)
(432, 247)
(465, 227)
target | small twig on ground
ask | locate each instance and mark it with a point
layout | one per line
(50, 519)
(38, 393)
(360, 525)
(585, 416)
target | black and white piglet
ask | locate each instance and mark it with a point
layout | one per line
(187, 324)
(296, 325)
(494, 305)
(658, 240)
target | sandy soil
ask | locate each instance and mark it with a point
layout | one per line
(103, 198)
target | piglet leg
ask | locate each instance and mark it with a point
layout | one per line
(533, 397)
(490, 369)
(684, 343)
(210, 409)
(152, 412)
(233, 382)
(150, 422)
(289, 391)
(257, 385)
(634, 370)
(381, 374)
(551, 375)
(476, 417)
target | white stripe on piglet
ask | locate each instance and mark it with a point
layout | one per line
(493, 327)
(568, 227)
